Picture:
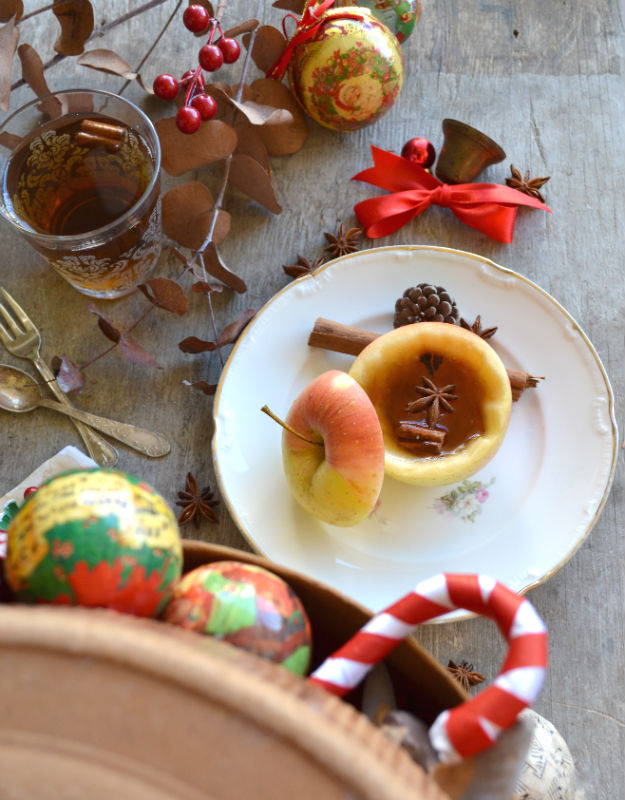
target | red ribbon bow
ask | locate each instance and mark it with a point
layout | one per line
(489, 207)
(306, 28)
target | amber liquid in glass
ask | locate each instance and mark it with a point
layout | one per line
(460, 426)
(61, 187)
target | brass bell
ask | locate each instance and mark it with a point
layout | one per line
(465, 153)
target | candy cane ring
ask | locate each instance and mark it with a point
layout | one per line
(475, 724)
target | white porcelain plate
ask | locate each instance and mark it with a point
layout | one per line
(518, 520)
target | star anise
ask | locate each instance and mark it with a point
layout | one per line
(484, 333)
(343, 242)
(303, 267)
(196, 504)
(463, 672)
(434, 398)
(526, 184)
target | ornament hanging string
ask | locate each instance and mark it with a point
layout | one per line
(475, 724)
(306, 28)
(490, 208)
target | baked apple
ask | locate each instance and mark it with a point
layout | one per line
(443, 399)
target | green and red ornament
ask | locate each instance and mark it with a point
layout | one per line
(247, 606)
(94, 538)
(9, 511)
(399, 16)
(345, 67)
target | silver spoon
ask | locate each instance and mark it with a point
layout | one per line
(20, 392)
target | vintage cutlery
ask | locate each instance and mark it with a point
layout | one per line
(19, 392)
(20, 337)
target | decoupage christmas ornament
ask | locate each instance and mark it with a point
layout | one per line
(247, 606)
(345, 67)
(94, 538)
(399, 16)
(548, 771)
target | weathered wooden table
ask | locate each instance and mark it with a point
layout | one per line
(545, 81)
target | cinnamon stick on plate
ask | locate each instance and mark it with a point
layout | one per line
(520, 381)
(340, 338)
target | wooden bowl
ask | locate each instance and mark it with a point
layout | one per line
(109, 705)
(97, 704)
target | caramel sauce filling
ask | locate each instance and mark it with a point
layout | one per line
(398, 389)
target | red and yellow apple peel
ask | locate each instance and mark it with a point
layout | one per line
(333, 450)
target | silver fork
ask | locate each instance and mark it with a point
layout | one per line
(20, 337)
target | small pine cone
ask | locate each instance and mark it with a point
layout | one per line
(425, 303)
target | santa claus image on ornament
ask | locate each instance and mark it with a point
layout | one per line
(359, 98)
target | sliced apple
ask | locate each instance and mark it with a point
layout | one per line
(378, 369)
(337, 474)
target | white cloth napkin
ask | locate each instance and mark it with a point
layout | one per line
(68, 458)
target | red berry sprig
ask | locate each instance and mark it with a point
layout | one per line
(210, 57)
(196, 18)
(198, 105)
(230, 49)
(166, 87)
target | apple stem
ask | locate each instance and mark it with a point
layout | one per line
(287, 427)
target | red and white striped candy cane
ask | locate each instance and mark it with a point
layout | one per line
(475, 724)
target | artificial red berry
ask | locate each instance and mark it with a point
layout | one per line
(191, 75)
(420, 151)
(230, 49)
(30, 490)
(165, 87)
(210, 57)
(188, 119)
(205, 104)
(196, 18)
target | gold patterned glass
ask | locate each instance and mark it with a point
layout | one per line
(80, 181)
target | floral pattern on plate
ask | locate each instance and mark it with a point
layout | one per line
(465, 500)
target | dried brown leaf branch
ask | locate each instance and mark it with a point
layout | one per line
(96, 33)
(206, 260)
(228, 161)
(208, 250)
(107, 61)
(202, 386)
(151, 49)
(162, 293)
(229, 335)
(9, 37)
(254, 122)
(11, 8)
(33, 74)
(76, 20)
